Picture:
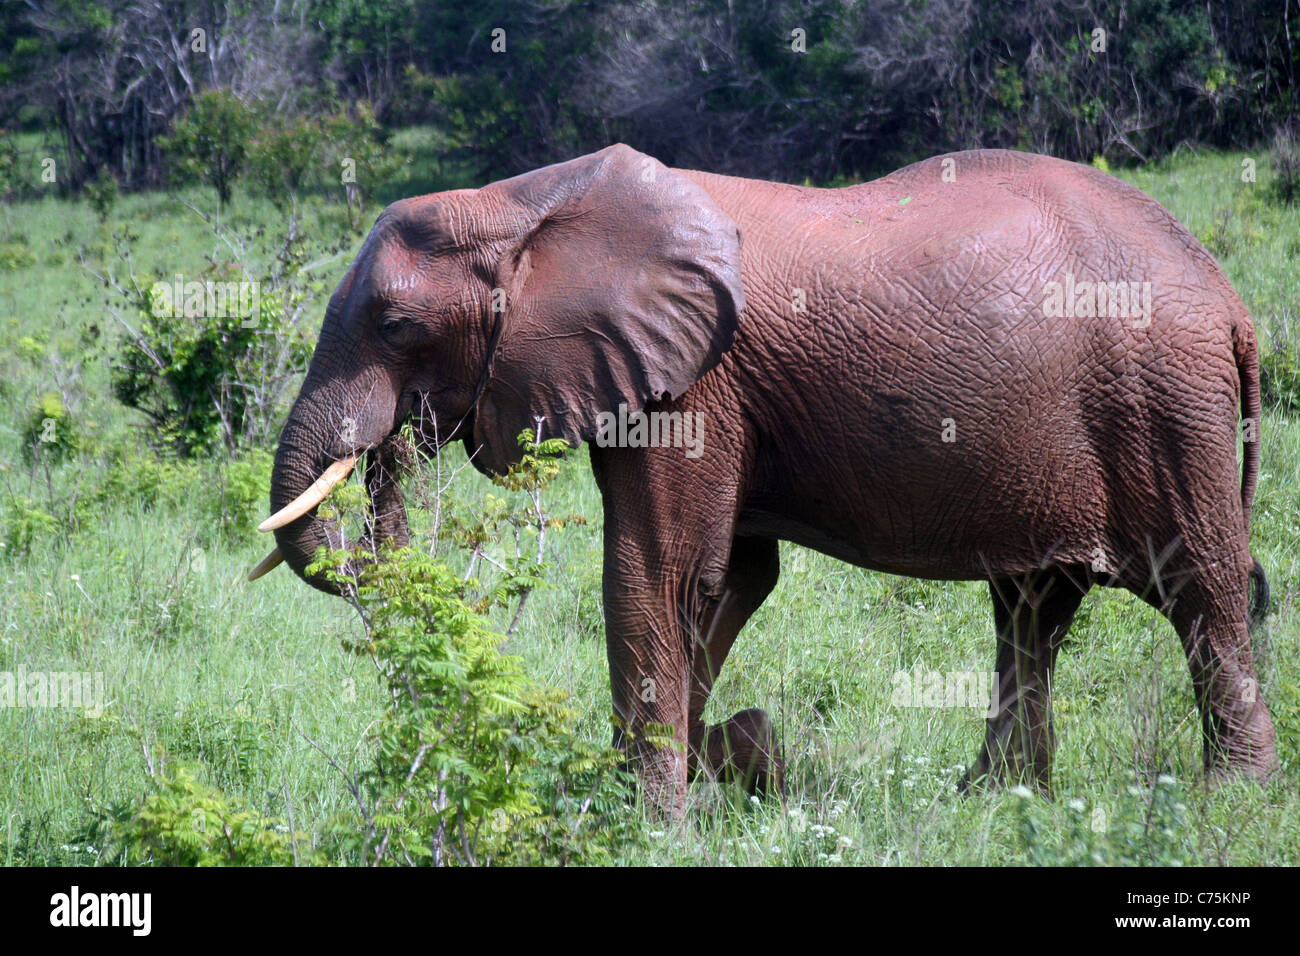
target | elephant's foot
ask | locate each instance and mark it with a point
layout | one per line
(1248, 754)
(1012, 754)
(745, 750)
(1226, 772)
(661, 771)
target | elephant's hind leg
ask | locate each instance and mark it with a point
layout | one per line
(1032, 614)
(1209, 613)
(744, 748)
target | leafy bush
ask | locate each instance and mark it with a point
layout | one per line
(475, 762)
(456, 773)
(1219, 237)
(216, 380)
(226, 498)
(26, 523)
(285, 158)
(186, 823)
(50, 432)
(184, 375)
(243, 484)
(148, 480)
(357, 157)
(342, 149)
(15, 256)
(210, 142)
(30, 348)
(102, 193)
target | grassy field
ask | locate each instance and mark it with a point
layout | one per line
(148, 589)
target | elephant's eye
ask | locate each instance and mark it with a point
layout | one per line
(389, 326)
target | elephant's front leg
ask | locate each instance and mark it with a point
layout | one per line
(666, 648)
(669, 524)
(648, 675)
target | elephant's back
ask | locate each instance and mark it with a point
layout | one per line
(991, 342)
(1092, 215)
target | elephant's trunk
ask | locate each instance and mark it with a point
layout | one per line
(298, 471)
(294, 473)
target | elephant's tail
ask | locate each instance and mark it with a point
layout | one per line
(1247, 357)
(1259, 593)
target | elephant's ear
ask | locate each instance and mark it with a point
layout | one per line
(623, 288)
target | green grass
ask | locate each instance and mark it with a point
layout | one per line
(208, 669)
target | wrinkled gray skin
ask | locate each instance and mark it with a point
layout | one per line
(879, 379)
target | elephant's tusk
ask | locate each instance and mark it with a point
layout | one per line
(268, 563)
(310, 498)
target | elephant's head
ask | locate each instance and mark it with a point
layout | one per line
(557, 294)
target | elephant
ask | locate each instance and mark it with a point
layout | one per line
(988, 365)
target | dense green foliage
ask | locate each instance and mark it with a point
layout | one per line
(210, 141)
(473, 761)
(208, 358)
(782, 88)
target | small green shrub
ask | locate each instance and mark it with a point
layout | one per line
(102, 193)
(26, 524)
(30, 348)
(186, 823)
(15, 256)
(244, 485)
(207, 376)
(210, 142)
(286, 157)
(149, 480)
(1220, 238)
(50, 432)
(182, 373)
(357, 157)
(465, 748)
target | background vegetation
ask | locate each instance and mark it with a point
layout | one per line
(791, 89)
